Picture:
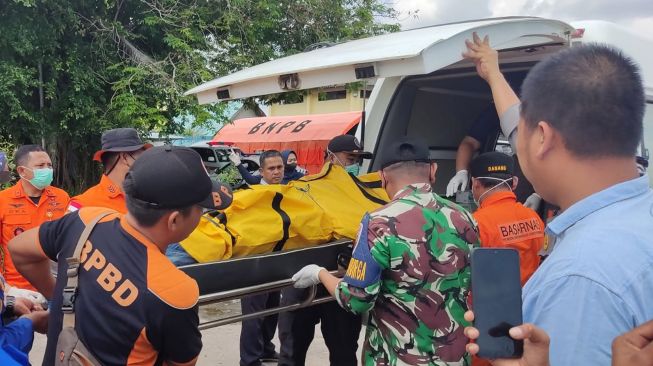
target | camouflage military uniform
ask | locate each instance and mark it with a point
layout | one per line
(410, 270)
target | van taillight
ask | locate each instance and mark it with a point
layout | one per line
(578, 33)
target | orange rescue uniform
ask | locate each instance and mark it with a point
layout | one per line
(19, 213)
(104, 194)
(505, 223)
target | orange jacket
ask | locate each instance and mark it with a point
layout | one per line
(18, 213)
(505, 223)
(104, 194)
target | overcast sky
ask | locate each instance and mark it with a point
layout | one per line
(636, 14)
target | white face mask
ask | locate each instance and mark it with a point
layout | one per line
(501, 181)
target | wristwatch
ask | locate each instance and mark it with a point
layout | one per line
(10, 301)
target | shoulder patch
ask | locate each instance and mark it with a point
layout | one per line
(363, 270)
(168, 283)
(74, 206)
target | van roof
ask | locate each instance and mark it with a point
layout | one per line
(410, 52)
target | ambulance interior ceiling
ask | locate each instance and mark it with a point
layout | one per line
(440, 108)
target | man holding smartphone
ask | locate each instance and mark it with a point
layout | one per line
(580, 124)
(410, 267)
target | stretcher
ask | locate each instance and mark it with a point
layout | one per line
(232, 279)
(270, 232)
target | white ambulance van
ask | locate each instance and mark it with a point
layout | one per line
(422, 86)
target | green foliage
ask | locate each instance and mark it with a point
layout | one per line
(108, 64)
(229, 175)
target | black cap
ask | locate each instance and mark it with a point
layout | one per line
(171, 177)
(120, 140)
(349, 144)
(493, 164)
(405, 149)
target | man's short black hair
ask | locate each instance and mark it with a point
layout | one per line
(592, 95)
(147, 215)
(21, 157)
(489, 183)
(268, 154)
(409, 168)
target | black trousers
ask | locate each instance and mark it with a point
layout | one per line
(297, 329)
(256, 334)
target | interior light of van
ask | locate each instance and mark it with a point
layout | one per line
(223, 93)
(578, 33)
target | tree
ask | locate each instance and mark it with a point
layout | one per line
(70, 69)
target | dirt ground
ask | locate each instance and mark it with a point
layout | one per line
(220, 344)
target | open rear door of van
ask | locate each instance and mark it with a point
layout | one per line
(411, 52)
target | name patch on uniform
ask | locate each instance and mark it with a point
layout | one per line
(521, 230)
(363, 270)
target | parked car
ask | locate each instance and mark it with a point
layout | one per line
(216, 156)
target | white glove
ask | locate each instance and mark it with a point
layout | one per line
(235, 158)
(301, 170)
(533, 201)
(458, 182)
(307, 276)
(34, 296)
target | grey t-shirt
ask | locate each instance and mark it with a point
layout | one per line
(509, 121)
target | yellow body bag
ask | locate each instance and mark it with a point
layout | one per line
(313, 210)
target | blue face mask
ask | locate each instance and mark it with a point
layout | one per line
(353, 169)
(42, 177)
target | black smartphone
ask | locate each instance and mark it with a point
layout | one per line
(496, 301)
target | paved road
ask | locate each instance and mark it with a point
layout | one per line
(220, 344)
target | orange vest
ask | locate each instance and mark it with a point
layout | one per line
(18, 213)
(505, 223)
(104, 194)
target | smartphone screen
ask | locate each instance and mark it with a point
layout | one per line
(496, 301)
